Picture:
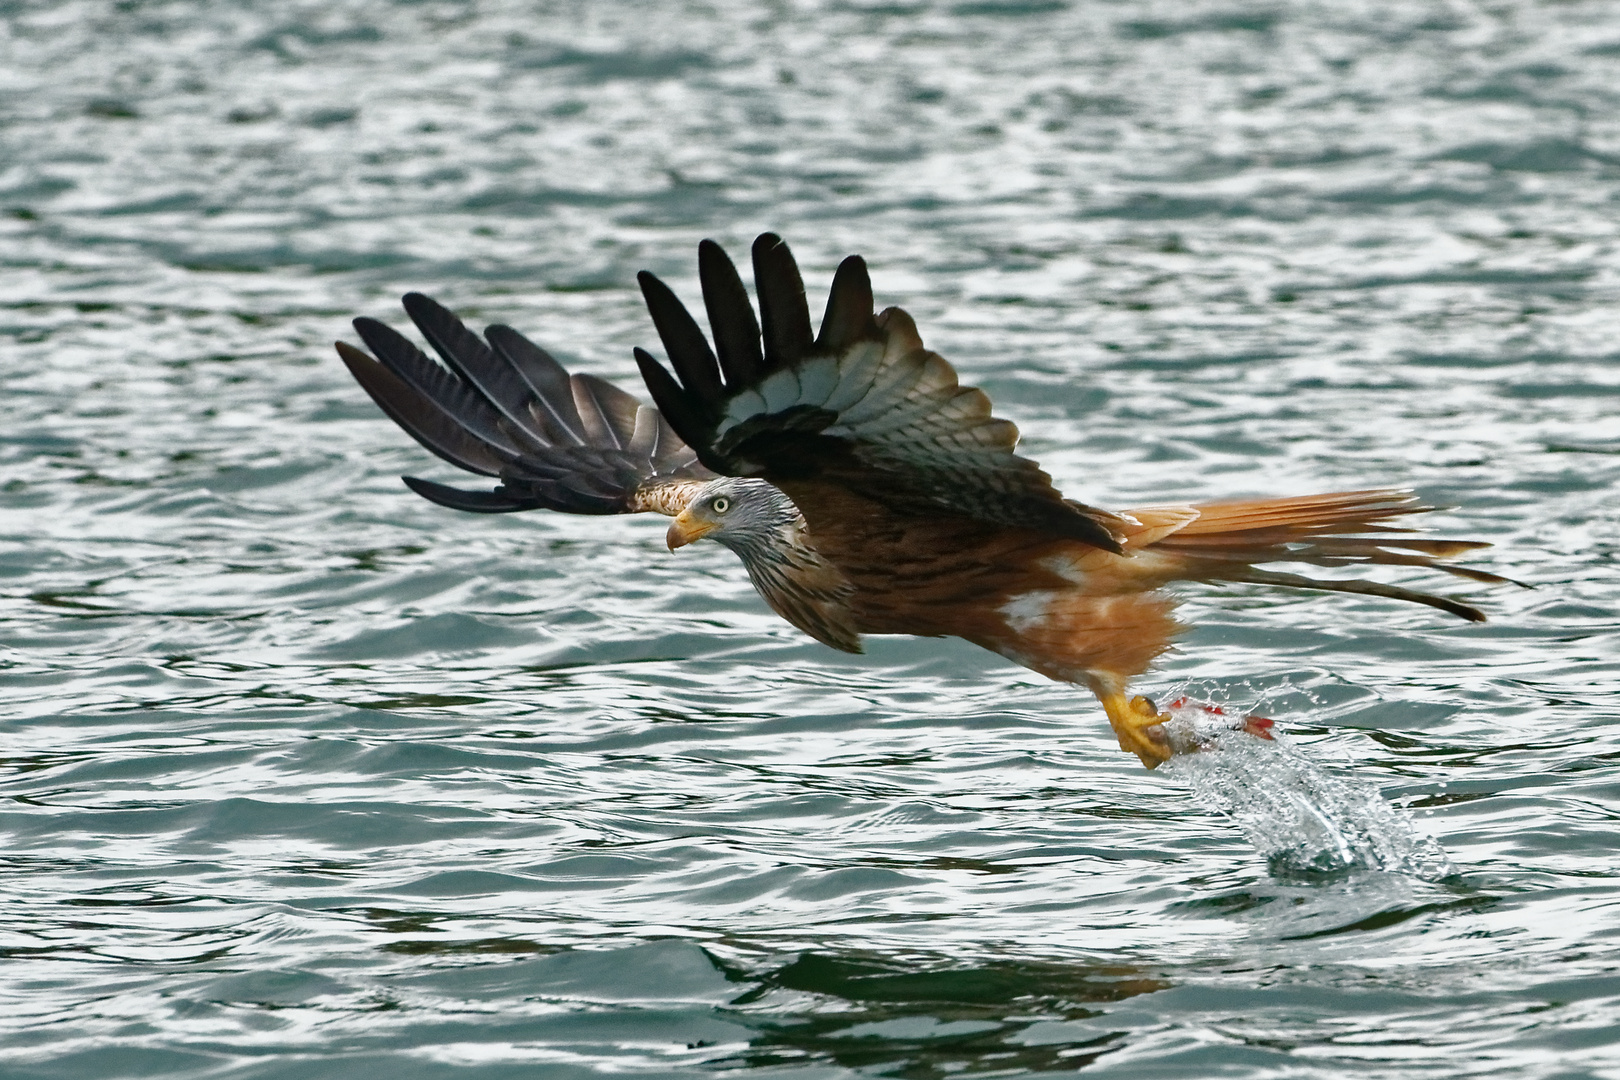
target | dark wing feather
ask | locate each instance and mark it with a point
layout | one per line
(688, 350)
(731, 316)
(476, 502)
(607, 413)
(496, 380)
(451, 394)
(784, 310)
(423, 417)
(504, 407)
(862, 404)
(552, 398)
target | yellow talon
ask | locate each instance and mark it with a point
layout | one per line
(1136, 722)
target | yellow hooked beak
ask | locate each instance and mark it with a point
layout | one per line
(686, 529)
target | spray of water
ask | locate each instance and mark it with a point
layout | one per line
(1299, 818)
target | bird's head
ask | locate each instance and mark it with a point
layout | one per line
(741, 513)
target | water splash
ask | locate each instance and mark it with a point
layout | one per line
(1300, 818)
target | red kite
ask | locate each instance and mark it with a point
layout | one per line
(865, 490)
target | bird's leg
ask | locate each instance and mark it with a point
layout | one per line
(1135, 721)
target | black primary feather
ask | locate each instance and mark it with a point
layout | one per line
(688, 350)
(731, 316)
(783, 310)
(848, 317)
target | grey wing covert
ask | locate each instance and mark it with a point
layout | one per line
(862, 404)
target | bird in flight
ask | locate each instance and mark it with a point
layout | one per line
(865, 490)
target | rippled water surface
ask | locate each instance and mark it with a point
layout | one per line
(305, 777)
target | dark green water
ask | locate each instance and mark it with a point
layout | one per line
(305, 777)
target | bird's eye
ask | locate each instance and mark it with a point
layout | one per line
(721, 505)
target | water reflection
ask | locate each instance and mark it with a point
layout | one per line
(928, 1017)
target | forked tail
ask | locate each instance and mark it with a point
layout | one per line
(1227, 541)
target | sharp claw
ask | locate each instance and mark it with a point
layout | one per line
(1136, 724)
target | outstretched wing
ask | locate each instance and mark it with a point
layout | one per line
(862, 404)
(505, 408)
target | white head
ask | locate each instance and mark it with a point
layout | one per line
(746, 515)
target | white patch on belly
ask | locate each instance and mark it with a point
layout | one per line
(1027, 611)
(1065, 567)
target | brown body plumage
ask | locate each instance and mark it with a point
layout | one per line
(885, 498)
(1082, 614)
